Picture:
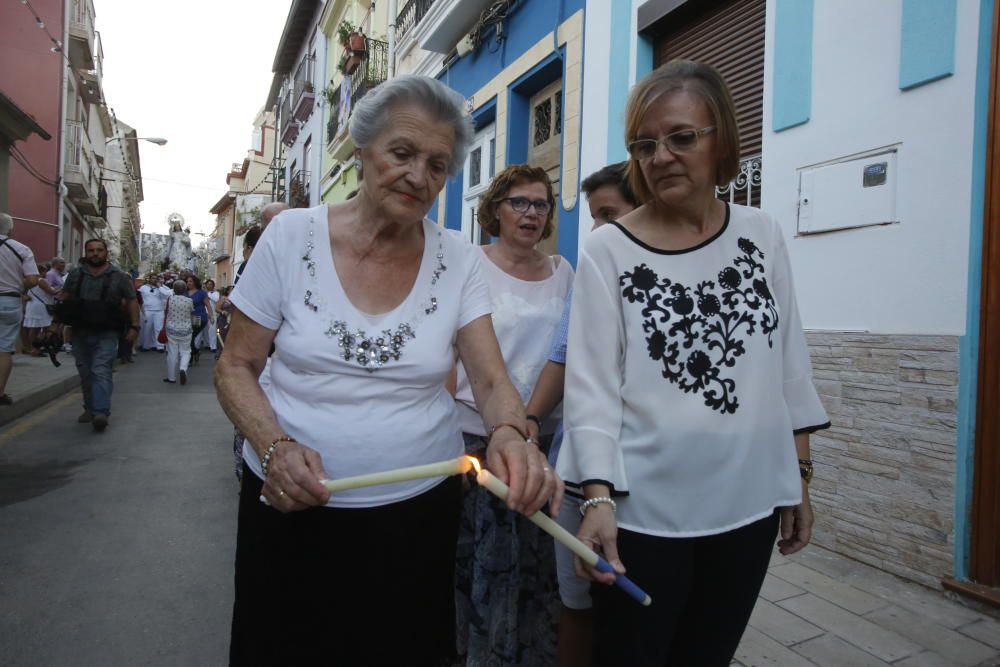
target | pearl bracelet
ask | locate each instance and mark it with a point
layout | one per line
(594, 502)
(269, 452)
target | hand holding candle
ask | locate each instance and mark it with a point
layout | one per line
(499, 489)
(440, 469)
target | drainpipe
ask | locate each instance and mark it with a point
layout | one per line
(392, 38)
(61, 187)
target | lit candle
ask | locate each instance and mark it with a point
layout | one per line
(440, 469)
(543, 521)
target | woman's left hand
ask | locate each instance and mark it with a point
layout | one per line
(524, 468)
(796, 525)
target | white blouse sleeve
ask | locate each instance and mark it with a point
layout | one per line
(258, 294)
(592, 401)
(475, 292)
(804, 407)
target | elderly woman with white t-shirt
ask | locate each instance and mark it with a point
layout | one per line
(506, 586)
(365, 301)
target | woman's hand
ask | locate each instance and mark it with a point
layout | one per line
(524, 468)
(599, 531)
(293, 475)
(796, 525)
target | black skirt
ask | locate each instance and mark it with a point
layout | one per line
(353, 587)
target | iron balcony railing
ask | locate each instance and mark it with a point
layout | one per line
(303, 88)
(413, 12)
(298, 189)
(373, 70)
(745, 188)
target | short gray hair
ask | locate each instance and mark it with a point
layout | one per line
(57, 260)
(6, 224)
(441, 102)
(180, 287)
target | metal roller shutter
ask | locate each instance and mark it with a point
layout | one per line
(729, 36)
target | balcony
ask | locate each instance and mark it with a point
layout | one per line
(413, 12)
(290, 127)
(81, 34)
(372, 71)
(217, 249)
(81, 172)
(303, 90)
(298, 189)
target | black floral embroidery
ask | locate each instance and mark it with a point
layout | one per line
(721, 316)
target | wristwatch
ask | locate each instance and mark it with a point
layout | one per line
(806, 470)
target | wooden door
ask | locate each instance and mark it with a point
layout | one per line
(985, 557)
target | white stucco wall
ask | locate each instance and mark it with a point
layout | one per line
(908, 278)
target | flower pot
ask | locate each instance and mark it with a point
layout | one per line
(356, 42)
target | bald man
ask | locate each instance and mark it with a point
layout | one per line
(269, 211)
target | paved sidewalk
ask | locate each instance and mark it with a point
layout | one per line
(818, 608)
(34, 381)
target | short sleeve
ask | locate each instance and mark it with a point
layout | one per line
(475, 292)
(28, 265)
(126, 286)
(258, 294)
(801, 398)
(557, 352)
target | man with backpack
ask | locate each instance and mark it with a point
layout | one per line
(98, 301)
(18, 272)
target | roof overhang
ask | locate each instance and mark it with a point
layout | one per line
(15, 124)
(225, 202)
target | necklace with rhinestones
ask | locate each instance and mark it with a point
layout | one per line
(370, 352)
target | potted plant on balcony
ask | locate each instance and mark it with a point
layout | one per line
(353, 41)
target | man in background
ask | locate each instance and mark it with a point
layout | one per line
(18, 272)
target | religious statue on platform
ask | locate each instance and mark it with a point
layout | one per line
(178, 255)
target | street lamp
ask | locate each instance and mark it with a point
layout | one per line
(159, 141)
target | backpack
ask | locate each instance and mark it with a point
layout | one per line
(92, 314)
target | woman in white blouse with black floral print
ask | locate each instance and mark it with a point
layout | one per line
(689, 397)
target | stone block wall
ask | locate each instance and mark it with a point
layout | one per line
(884, 484)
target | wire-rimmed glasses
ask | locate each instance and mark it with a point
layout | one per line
(678, 143)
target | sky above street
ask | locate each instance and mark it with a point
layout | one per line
(194, 72)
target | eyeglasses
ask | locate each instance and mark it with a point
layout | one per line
(521, 204)
(678, 143)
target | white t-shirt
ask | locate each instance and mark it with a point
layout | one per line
(525, 315)
(362, 413)
(153, 298)
(686, 374)
(12, 269)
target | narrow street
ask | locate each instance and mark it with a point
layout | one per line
(117, 547)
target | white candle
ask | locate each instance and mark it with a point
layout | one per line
(546, 523)
(440, 469)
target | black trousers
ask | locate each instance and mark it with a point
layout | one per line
(703, 590)
(353, 587)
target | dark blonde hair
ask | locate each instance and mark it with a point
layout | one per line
(515, 174)
(701, 80)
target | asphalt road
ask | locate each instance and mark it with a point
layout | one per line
(117, 548)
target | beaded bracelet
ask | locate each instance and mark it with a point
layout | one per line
(594, 502)
(269, 452)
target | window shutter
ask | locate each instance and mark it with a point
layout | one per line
(729, 36)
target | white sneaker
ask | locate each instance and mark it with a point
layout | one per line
(67, 347)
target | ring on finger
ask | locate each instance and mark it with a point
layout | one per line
(281, 493)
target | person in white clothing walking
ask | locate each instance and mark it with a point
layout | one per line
(153, 300)
(18, 272)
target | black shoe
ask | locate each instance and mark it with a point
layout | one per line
(85, 418)
(168, 380)
(100, 422)
(6, 400)
(184, 377)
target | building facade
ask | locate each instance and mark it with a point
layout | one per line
(59, 188)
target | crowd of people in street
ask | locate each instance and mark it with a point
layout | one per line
(664, 386)
(657, 401)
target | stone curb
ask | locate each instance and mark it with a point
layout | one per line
(25, 403)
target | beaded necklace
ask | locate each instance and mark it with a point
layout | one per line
(375, 351)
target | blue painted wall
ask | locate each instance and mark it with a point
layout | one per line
(793, 34)
(618, 70)
(968, 350)
(927, 45)
(529, 22)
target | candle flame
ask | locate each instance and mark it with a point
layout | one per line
(475, 463)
